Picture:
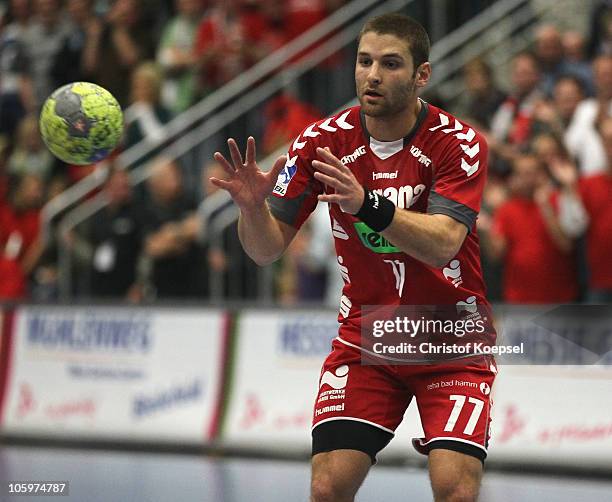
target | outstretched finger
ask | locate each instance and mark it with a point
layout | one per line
(235, 153)
(250, 150)
(224, 184)
(224, 163)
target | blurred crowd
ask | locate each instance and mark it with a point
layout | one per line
(546, 221)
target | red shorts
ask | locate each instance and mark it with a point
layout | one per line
(453, 398)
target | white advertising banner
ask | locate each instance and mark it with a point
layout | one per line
(556, 415)
(131, 374)
(277, 359)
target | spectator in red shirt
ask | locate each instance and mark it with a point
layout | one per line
(537, 256)
(224, 47)
(586, 208)
(19, 237)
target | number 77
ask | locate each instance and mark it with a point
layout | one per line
(459, 402)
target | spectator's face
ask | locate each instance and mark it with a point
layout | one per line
(602, 76)
(189, 8)
(144, 89)
(165, 183)
(546, 148)
(30, 192)
(20, 9)
(29, 135)
(384, 75)
(526, 175)
(118, 188)
(573, 46)
(567, 95)
(477, 80)
(47, 11)
(548, 45)
(525, 75)
(79, 10)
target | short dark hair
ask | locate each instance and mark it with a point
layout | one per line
(405, 28)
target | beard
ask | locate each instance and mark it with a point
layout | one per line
(395, 100)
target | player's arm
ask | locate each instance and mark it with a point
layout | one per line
(431, 238)
(263, 237)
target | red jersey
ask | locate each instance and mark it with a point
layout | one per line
(440, 167)
(596, 194)
(535, 269)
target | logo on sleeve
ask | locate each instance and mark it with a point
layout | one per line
(285, 176)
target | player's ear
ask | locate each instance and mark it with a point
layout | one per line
(423, 74)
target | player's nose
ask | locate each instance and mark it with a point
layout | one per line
(374, 77)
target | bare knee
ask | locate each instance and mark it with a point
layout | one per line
(337, 475)
(455, 477)
(325, 488)
(455, 490)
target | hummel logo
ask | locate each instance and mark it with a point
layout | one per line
(384, 176)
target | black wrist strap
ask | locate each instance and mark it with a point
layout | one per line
(376, 211)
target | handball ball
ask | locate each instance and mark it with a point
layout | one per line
(81, 123)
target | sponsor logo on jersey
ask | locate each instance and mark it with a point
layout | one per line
(348, 159)
(384, 176)
(373, 240)
(337, 379)
(420, 156)
(402, 197)
(469, 308)
(284, 177)
(453, 273)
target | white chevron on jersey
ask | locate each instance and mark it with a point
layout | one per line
(342, 123)
(326, 127)
(468, 136)
(309, 133)
(469, 169)
(457, 127)
(471, 151)
(443, 122)
(298, 145)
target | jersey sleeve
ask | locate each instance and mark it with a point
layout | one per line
(295, 193)
(460, 178)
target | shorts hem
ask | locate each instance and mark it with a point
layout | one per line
(353, 419)
(454, 444)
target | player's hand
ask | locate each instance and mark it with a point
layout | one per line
(349, 194)
(246, 183)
